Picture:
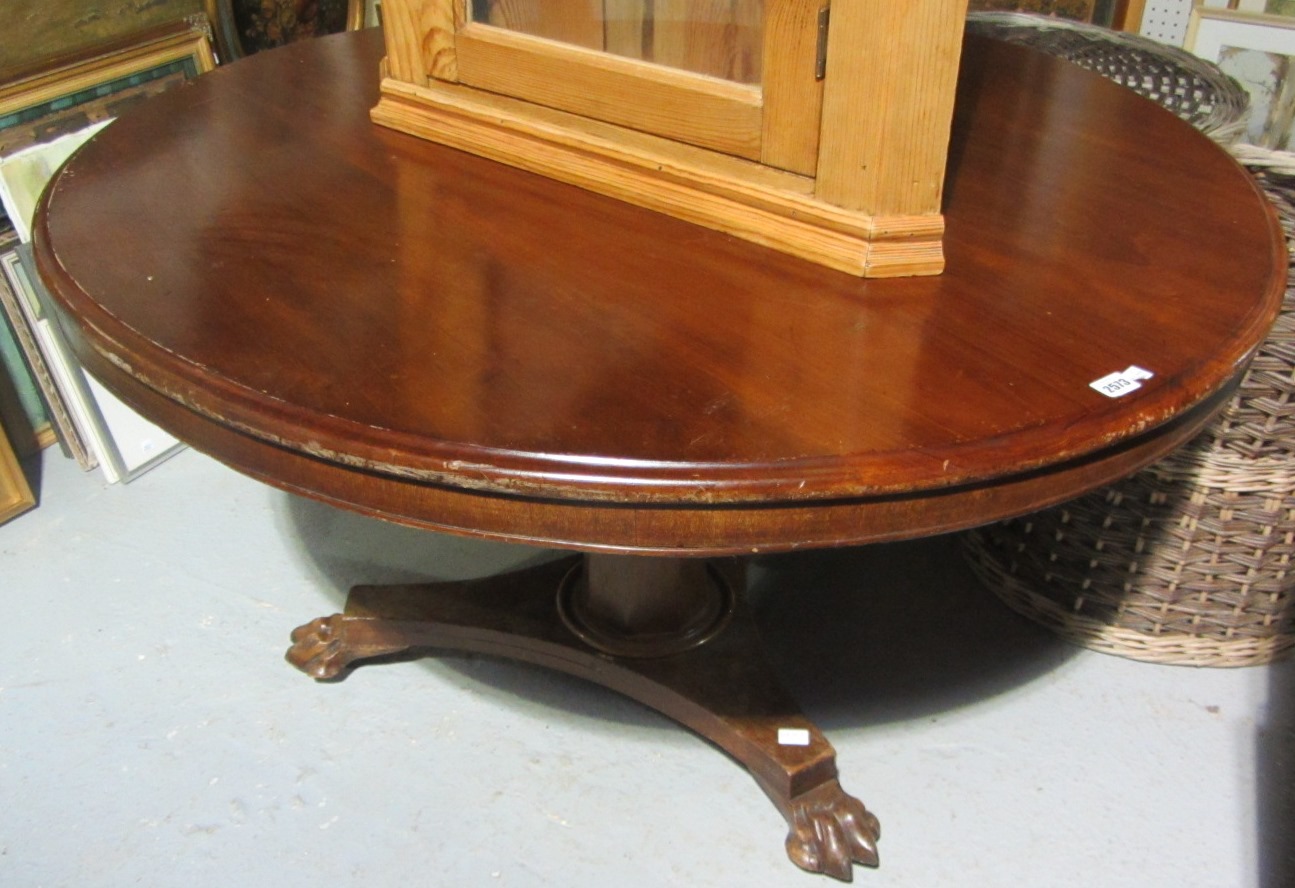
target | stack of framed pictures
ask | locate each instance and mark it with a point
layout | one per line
(52, 406)
(23, 413)
(97, 428)
(1254, 42)
(45, 114)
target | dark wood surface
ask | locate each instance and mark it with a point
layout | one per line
(409, 331)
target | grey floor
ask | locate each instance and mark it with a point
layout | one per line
(151, 734)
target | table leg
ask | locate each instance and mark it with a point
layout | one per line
(670, 633)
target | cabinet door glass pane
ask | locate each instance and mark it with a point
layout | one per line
(720, 38)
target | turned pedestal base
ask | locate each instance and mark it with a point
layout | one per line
(670, 633)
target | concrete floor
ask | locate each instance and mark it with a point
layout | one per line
(151, 734)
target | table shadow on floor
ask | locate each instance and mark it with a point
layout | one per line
(861, 636)
(889, 632)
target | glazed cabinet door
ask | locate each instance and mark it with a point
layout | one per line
(740, 77)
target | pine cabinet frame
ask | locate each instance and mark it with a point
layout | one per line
(837, 155)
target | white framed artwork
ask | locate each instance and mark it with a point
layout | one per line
(118, 439)
(1261, 7)
(124, 444)
(1258, 49)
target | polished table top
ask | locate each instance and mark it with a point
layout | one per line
(409, 331)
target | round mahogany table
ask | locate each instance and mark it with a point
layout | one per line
(400, 329)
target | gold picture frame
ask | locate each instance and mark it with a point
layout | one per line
(42, 102)
(15, 493)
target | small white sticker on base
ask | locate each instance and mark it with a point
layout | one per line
(793, 737)
(1117, 385)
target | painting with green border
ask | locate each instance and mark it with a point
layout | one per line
(22, 409)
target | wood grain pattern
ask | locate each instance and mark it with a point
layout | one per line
(700, 111)
(557, 367)
(625, 27)
(417, 49)
(713, 168)
(721, 38)
(757, 204)
(894, 163)
(793, 95)
(578, 22)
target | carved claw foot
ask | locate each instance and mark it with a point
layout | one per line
(830, 831)
(320, 648)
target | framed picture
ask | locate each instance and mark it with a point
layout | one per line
(40, 103)
(124, 444)
(15, 493)
(51, 359)
(22, 178)
(23, 413)
(1263, 7)
(25, 335)
(1257, 49)
(45, 29)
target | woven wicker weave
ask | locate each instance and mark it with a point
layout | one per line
(1076, 10)
(1190, 560)
(1195, 90)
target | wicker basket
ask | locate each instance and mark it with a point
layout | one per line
(1190, 560)
(1195, 90)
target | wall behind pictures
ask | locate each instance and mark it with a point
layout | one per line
(34, 30)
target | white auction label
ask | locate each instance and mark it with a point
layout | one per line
(1117, 385)
(793, 737)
